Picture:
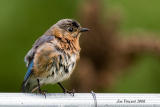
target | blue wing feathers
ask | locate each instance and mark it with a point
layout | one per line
(29, 71)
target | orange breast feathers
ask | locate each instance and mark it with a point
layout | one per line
(67, 41)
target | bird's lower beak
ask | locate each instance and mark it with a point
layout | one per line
(84, 29)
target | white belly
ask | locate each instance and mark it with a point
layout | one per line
(61, 75)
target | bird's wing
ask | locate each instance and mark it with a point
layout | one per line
(31, 52)
(40, 58)
(46, 58)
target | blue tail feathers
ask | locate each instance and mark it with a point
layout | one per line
(29, 71)
(25, 84)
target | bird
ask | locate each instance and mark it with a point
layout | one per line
(53, 56)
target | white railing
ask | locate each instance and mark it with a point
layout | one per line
(79, 100)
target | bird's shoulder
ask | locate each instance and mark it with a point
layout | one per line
(41, 40)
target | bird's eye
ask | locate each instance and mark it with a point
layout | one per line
(70, 29)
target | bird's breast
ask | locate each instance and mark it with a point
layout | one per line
(61, 71)
(67, 62)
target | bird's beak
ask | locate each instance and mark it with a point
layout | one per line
(84, 29)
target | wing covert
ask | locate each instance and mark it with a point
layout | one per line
(38, 42)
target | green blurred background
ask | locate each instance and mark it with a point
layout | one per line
(23, 21)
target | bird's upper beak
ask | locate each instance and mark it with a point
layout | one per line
(84, 29)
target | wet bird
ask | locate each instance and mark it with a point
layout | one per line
(53, 56)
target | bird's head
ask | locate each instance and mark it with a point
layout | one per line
(67, 29)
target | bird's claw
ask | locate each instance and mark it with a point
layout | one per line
(43, 92)
(69, 91)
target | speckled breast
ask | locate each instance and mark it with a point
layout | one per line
(62, 70)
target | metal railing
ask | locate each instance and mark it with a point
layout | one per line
(79, 100)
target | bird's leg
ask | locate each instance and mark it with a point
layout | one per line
(39, 89)
(65, 90)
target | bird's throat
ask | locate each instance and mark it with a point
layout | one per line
(71, 46)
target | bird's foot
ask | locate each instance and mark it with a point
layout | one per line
(69, 91)
(43, 92)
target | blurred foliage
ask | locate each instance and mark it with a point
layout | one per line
(143, 75)
(23, 21)
(138, 14)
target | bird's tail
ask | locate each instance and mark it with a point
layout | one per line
(25, 86)
(29, 85)
(29, 82)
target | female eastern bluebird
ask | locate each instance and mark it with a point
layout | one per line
(53, 56)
